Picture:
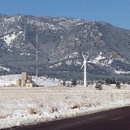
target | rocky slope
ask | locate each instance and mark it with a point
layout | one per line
(61, 42)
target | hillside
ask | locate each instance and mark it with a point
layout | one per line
(61, 42)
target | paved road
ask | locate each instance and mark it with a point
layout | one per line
(116, 119)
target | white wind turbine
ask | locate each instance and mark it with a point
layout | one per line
(84, 65)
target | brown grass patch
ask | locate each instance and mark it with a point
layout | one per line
(82, 105)
(75, 106)
(32, 111)
(4, 116)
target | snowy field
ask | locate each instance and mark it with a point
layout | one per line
(24, 106)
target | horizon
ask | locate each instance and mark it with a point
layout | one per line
(64, 17)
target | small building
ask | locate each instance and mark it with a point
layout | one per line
(25, 81)
(29, 85)
(18, 82)
(24, 76)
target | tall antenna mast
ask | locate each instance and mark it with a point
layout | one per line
(24, 30)
(36, 53)
(24, 37)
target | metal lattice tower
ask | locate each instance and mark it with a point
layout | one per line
(24, 37)
(36, 53)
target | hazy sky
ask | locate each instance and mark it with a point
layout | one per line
(115, 12)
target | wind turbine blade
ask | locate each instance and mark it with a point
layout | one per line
(82, 65)
(83, 55)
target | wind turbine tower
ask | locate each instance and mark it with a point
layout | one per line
(84, 65)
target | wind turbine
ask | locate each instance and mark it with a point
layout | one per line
(84, 65)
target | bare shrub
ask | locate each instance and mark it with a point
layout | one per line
(74, 82)
(118, 85)
(98, 86)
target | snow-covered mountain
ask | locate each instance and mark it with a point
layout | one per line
(61, 42)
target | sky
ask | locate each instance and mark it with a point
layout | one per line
(115, 12)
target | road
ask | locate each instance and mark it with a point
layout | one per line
(115, 119)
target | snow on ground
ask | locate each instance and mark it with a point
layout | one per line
(121, 72)
(9, 38)
(6, 80)
(4, 68)
(24, 106)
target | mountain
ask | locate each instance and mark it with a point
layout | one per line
(61, 42)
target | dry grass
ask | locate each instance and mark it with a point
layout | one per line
(82, 105)
(75, 106)
(32, 111)
(4, 116)
(85, 105)
(54, 109)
